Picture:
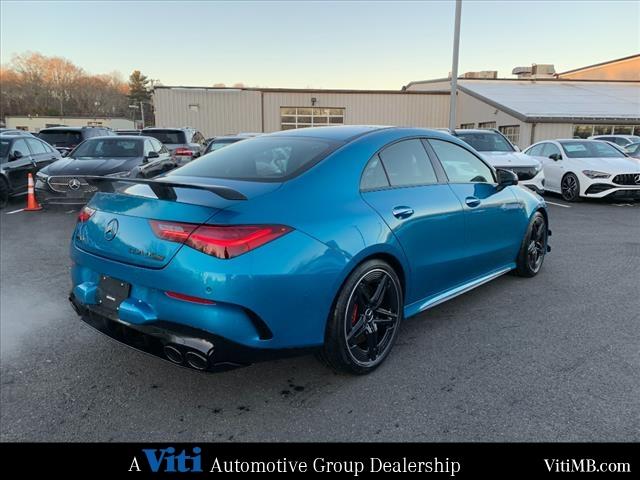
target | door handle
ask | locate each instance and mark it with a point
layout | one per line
(402, 212)
(472, 201)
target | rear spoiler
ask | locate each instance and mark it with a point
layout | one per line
(162, 189)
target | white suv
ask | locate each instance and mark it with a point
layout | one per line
(498, 151)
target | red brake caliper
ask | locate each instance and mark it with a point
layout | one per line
(354, 317)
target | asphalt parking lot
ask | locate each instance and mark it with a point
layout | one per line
(553, 358)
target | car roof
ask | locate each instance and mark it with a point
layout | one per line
(475, 130)
(337, 133)
(13, 134)
(119, 137)
(74, 129)
(153, 129)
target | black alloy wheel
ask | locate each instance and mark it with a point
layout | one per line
(366, 319)
(570, 188)
(534, 247)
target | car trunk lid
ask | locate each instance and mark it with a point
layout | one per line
(119, 229)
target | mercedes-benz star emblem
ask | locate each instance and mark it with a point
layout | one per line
(111, 230)
(636, 178)
(74, 184)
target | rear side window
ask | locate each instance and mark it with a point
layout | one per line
(263, 159)
(407, 163)
(37, 147)
(536, 150)
(374, 176)
(461, 165)
(167, 136)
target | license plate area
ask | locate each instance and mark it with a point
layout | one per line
(112, 292)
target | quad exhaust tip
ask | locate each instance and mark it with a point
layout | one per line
(173, 354)
(191, 358)
(196, 360)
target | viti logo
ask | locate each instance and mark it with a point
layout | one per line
(166, 460)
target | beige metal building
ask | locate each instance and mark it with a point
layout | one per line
(220, 111)
(37, 123)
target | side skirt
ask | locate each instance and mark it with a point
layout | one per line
(422, 305)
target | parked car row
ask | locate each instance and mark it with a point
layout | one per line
(598, 167)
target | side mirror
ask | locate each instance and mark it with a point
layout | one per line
(153, 155)
(506, 178)
(16, 155)
(555, 157)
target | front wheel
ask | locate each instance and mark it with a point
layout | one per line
(570, 186)
(365, 320)
(534, 247)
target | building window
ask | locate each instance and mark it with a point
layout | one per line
(467, 126)
(487, 125)
(585, 131)
(301, 117)
(194, 107)
(512, 132)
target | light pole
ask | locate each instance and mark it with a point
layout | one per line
(454, 69)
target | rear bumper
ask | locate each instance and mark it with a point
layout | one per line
(179, 344)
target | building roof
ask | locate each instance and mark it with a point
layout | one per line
(559, 100)
(601, 64)
(297, 90)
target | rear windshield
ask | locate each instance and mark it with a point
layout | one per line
(486, 142)
(167, 136)
(260, 159)
(590, 149)
(112, 147)
(61, 138)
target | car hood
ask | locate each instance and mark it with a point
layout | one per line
(90, 166)
(509, 159)
(609, 165)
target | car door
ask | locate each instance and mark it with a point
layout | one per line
(493, 217)
(42, 154)
(553, 164)
(425, 216)
(19, 165)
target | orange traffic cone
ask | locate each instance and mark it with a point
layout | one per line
(32, 203)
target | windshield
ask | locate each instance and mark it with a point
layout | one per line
(4, 147)
(486, 141)
(218, 144)
(61, 138)
(590, 149)
(167, 136)
(260, 159)
(111, 147)
(633, 148)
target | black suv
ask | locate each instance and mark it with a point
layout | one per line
(21, 154)
(66, 139)
(185, 144)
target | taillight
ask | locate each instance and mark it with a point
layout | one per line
(85, 214)
(219, 241)
(174, 232)
(184, 152)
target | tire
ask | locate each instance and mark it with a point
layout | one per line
(4, 193)
(570, 187)
(365, 320)
(534, 247)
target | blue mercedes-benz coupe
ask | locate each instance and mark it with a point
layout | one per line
(318, 238)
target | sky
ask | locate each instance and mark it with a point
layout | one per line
(322, 44)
